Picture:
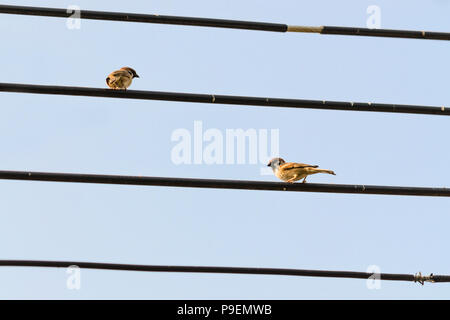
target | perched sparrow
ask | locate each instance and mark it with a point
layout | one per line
(292, 171)
(121, 79)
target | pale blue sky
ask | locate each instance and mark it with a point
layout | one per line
(154, 225)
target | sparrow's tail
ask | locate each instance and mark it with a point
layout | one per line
(325, 171)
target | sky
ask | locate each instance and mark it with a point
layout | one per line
(174, 226)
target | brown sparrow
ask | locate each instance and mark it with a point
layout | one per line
(121, 79)
(292, 171)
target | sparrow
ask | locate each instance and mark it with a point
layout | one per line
(121, 79)
(292, 171)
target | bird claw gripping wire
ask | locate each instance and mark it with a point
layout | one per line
(422, 279)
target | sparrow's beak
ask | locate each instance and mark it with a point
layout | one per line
(268, 164)
(136, 76)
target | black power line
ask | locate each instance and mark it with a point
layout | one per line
(229, 270)
(225, 99)
(222, 23)
(385, 33)
(223, 184)
(145, 18)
